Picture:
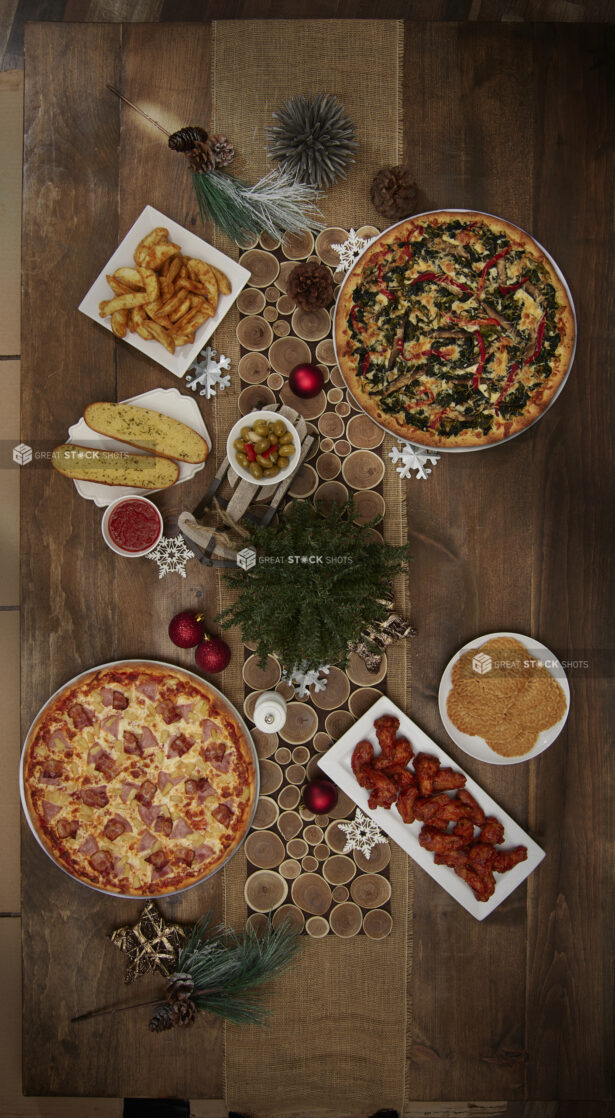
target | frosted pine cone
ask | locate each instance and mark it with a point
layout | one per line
(222, 150)
(179, 987)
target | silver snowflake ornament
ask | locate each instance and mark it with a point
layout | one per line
(171, 555)
(208, 372)
(302, 680)
(350, 250)
(361, 834)
(413, 458)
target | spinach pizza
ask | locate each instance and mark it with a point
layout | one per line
(454, 330)
(139, 778)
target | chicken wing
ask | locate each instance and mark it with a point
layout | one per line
(447, 779)
(473, 811)
(384, 792)
(505, 859)
(400, 754)
(405, 803)
(386, 728)
(426, 768)
(362, 757)
(492, 831)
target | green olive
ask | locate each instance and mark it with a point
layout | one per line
(271, 473)
(262, 461)
(279, 427)
(256, 470)
(285, 439)
(238, 444)
(243, 460)
(282, 462)
(261, 427)
(261, 445)
(245, 432)
(288, 450)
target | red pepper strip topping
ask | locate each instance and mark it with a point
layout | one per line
(250, 452)
(488, 265)
(506, 290)
(436, 277)
(437, 417)
(365, 364)
(539, 336)
(514, 369)
(266, 453)
(481, 364)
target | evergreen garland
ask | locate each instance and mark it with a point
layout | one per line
(310, 612)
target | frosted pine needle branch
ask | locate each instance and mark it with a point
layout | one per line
(277, 204)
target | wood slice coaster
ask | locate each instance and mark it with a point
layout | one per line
(270, 314)
(326, 445)
(275, 381)
(283, 755)
(336, 691)
(261, 679)
(281, 328)
(364, 433)
(289, 914)
(296, 246)
(370, 890)
(379, 857)
(377, 924)
(288, 798)
(345, 920)
(363, 469)
(285, 270)
(309, 409)
(358, 673)
(297, 848)
(253, 368)
(248, 706)
(344, 806)
(258, 921)
(265, 890)
(286, 305)
(343, 409)
(362, 700)
(271, 777)
(249, 241)
(313, 834)
(305, 482)
(254, 333)
(266, 813)
(285, 690)
(309, 863)
(335, 235)
(340, 894)
(337, 379)
(263, 267)
(325, 352)
(251, 300)
(255, 398)
(328, 466)
(264, 849)
(317, 927)
(272, 294)
(337, 723)
(342, 447)
(331, 493)
(322, 742)
(321, 851)
(301, 755)
(311, 325)
(368, 231)
(289, 824)
(265, 743)
(311, 893)
(290, 869)
(295, 773)
(330, 425)
(335, 395)
(339, 869)
(336, 838)
(268, 242)
(325, 372)
(313, 772)
(285, 353)
(368, 505)
(301, 724)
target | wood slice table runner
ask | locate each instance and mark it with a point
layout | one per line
(339, 996)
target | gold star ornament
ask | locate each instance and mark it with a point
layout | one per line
(151, 944)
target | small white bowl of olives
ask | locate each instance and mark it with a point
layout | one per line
(263, 448)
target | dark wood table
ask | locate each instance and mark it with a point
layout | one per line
(513, 119)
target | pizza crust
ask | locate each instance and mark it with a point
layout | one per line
(469, 439)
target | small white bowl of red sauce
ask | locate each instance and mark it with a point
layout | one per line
(132, 526)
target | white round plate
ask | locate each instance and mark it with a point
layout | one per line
(247, 421)
(561, 277)
(477, 747)
(167, 401)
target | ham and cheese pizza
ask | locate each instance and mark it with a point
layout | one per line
(454, 330)
(139, 778)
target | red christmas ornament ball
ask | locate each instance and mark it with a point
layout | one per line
(320, 796)
(306, 381)
(212, 655)
(186, 629)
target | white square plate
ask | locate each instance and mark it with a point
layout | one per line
(336, 764)
(191, 245)
(167, 401)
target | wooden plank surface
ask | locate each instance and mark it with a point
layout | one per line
(516, 122)
(513, 119)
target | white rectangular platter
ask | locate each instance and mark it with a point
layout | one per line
(179, 362)
(336, 764)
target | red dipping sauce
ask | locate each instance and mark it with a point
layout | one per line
(134, 525)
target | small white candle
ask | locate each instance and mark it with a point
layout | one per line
(269, 712)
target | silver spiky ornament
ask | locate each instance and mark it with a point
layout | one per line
(313, 139)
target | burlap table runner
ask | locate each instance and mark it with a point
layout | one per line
(336, 1042)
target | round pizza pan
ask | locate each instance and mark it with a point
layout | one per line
(146, 664)
(561, 277)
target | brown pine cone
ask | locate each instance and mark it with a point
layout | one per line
(162, 1018)
(222, 150)
(393, 193)
(311, 286)
(201, 158)
(185, 138)
(179, 987)
(183, 1014)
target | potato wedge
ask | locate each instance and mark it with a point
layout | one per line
(161, 335)
(149, 281)
(122, 302)
(224, 284)
(130, 277)
(119, 323)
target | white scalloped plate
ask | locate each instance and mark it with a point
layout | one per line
(167, 401)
